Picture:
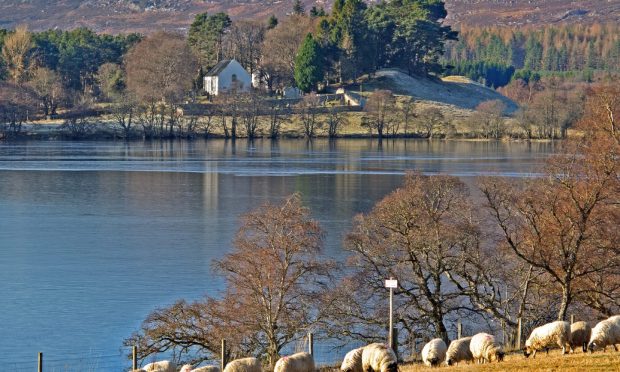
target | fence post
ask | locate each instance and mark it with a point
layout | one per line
(519, 335)
(310, 343)
(223, 365)
(40, 368)
(459, 329)
(572, 318)
(395, 341)
(134, 352)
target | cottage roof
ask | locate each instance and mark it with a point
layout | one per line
(221, 65)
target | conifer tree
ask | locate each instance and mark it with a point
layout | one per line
(308, 64)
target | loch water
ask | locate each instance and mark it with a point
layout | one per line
(95, 235)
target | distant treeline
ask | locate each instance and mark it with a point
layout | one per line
(489, 54)
(74, 55)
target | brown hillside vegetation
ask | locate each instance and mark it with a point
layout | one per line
(456, 91)
(148, 15)
(555, 361)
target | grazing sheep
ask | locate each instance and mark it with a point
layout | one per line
(580, 335)
(606, 332)
(243, 365)
(299, 362)
(188, 368)
(161, 366)
(379, 358)
(546, 335)
(459, 351)
(434, 352)
(353, 361)
(484, 348)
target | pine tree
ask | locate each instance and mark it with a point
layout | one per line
(298, 8)
(308, 65)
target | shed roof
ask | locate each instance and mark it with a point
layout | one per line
(221, 65)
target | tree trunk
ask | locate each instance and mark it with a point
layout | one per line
(566, 300)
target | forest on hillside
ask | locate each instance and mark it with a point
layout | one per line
(493, 54)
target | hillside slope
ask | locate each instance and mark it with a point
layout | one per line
(458, 91)
(148, 15)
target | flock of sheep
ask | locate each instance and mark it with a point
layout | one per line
(481, 348)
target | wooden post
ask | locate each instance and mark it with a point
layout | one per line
(459, 329)
(395, 341)
(40, 368)
(391, 325)
(572, 318)
(519, 335)
(134, 352)
(310, 343)
(223, 364)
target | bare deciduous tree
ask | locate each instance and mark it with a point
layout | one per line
(280, 50)
(309, 114)
(160, 68)
(431, 121)
(274, 274)
(419, 234)
(565, 224)
(46, 83)
(380, 110)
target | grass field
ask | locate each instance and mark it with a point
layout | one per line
(555, 361)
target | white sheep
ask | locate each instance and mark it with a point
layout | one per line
(189, 368)
(459, 351)
(580, 335)
(161, 366)
(434, 352)
(379, 357)
(353, 361)
(606, 332)
(243, 365)
(299, 362)
(557, 332)
(484, 348)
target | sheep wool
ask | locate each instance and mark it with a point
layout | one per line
(434, 352)
(606, 332)
(484, 348)
(300, 362)
(580, 333)
(206, 369)
(379, 357)
(243, 365)
(353, 361)
(161, 366)
(557, 333)
(459, 351)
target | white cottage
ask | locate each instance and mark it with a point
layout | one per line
(226, 76)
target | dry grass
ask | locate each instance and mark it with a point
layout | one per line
(555, 361)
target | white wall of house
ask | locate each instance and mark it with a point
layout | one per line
(211, 85)
(233, 75)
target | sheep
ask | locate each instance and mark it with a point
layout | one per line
(458, 351)
(580, 335)
(484, 348)
(379, 357)
(299, 362)
(161, 366)
(188, 368)
(434, 352)
(243, 365)
(546, 335)
(606, 332)
(353, 361)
